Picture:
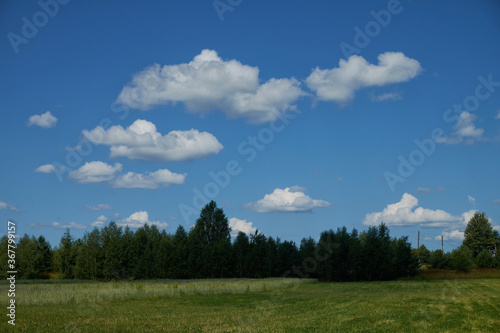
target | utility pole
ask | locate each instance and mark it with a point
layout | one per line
(442, 246)
(418, 244)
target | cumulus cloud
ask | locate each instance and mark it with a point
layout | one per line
(138, 219)
(464, 130)
(407, 213)
(70, 225)
(425, 190)
(6, 206)
(45, 120)
(291, 199)
(95, 172)
(46, 168)
(210, 83)
(99, 222)
(340, 84)
(238, 225)
(451, 235)
(149, 180)
(142, 141)
(99, 207)
(388, 96)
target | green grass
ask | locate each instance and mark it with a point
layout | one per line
(271, 305)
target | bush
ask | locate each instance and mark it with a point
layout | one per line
(484, 259)
(461, 259)
(439, 260)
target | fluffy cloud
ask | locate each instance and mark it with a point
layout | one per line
(339, 84)
(291, 199)
(210, 83)
(70, 225)
(451, 235)
(238, 225)
(46, 168)
(149, 180)
(4, 205)
(95, 172)
(45, 120)
(464, 130)
(138, 219)
(141, 140)
(99, 207)
(99, 222)
(388, 96)
(406, 213)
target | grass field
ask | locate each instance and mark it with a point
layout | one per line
(271, 305)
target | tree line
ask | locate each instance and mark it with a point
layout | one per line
(206, 251)
(478, 250)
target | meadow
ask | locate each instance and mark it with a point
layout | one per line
(252, 305)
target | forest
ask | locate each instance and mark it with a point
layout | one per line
(207, 251)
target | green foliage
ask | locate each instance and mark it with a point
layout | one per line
(479, 235)
(484, 260)
(440, 260)
(461, 259)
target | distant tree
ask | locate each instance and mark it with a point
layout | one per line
(45, 250)
(241, 249)
(484, 259)
(4, 242)
(479, 234)
(179, 255)
(425, 254)
(111, 238)
(439, 260)
(462, 259)
(67, 255)
(29, 258)
(213, 232)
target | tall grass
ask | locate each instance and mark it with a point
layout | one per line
(100, 292)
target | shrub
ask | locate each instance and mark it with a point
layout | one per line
(484, 259)
(461, 259)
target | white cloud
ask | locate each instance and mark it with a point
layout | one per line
(339, 84)
(406, 213)
(451, 235)
(141, 140)
(4, 205)
(46, 168)
(238, 225)
(464, 129)
(471, 199)
(496, 202)
(95, 172)
(99, 207)
(388, 96)
(498, 115)
(138, 219)
(70, 225)
(339, 179)
(149, 180)
(99, 222)
(425, 190)
(291, 199)
(210, 83)
(45, 120)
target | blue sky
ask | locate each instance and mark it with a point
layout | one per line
(311, 115)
